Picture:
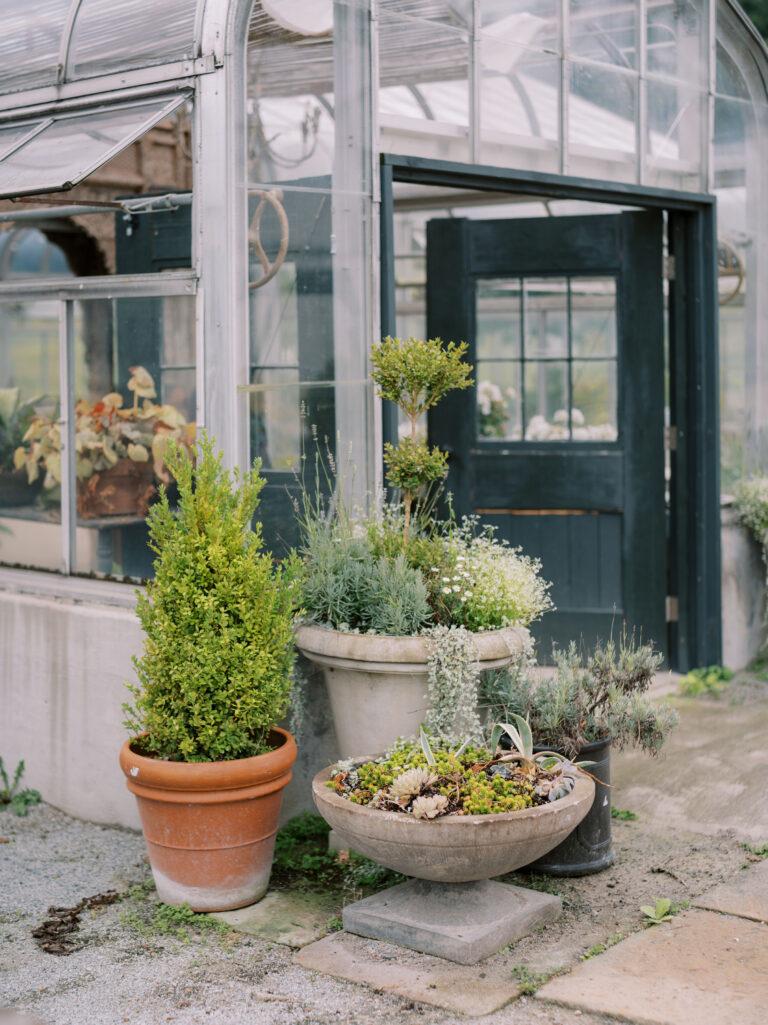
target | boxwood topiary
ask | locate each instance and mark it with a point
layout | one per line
(215, 673)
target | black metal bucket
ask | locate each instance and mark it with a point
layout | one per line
(588, 849)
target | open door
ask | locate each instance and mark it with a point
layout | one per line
(560, 445)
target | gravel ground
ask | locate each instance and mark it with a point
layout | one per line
(125, 974)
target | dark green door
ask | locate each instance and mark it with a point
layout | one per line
(560, 445)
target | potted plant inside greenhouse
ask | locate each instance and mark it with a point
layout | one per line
(594, 701)
(399, 608)
(206, 760)
(15, 418)
(119, 450)
(453, 817)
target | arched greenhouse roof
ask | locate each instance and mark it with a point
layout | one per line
(48, 43)
(52, 42)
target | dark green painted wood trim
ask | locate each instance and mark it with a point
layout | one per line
(696, 467)
(423, 171)
(694, 555)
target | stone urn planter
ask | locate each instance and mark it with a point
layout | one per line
(377, 685)
(452, 907)
(210, 826)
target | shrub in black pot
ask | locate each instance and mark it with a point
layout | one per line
(592, 702)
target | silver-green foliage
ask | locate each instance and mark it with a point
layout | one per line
(589, 697)
(215, 674)
(345, 585)
(453, 680)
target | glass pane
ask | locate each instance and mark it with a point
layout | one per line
(294, 121)
(676, 122)
(30, 42)
(497, 318)
(594, 400)
(10, 137)
(602, 122)
(546, 401)
(533, 23)
(519, 106)
(499, 406)
(73, 146)
(30, 491)
(546, 317)
(593, 316)
(423, 89)
(276, 424)
(135, 389)
(603, 32)
(677, 40)
(132, 33)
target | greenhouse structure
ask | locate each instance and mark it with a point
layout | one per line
(209, 211)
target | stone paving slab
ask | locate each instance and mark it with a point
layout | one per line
(289, 917)
(699, 968)
(745, 896)
(471, 990)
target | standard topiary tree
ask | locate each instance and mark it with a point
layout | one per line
(415, 374)
(215, 674)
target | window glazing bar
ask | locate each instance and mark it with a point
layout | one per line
(67, 431)
(119, 286)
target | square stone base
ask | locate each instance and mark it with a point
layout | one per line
(462, 922)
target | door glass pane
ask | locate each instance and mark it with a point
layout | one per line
(499, 406)
(498, 320)
(594, 400)
(546, 317)
(30, 465)
(546, 401)
(593, 316)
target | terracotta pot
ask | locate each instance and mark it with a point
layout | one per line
(125, 489)
(377, 685)
(210, 826)
(455, 848)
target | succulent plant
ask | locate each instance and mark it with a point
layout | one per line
(411, 783)
(429, 807)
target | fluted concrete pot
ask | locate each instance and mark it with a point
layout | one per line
(455, 848)
(377, 685)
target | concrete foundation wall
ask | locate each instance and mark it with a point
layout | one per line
(743, 584)
(63, 668)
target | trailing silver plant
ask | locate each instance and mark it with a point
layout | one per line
(454, 679)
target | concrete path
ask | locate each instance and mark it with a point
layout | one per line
(702, 967)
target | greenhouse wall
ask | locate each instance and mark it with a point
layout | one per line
(251, 292)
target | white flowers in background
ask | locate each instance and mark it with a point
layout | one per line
(453, 677)
(541, 429)
(487, 394)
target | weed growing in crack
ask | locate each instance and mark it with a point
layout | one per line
(529, 981)
(600, 948)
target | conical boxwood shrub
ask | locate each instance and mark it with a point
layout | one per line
(215, 673)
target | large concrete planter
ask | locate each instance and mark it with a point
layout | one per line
(452, 907)
(377, 685)
(210, 826)
(456, 848)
